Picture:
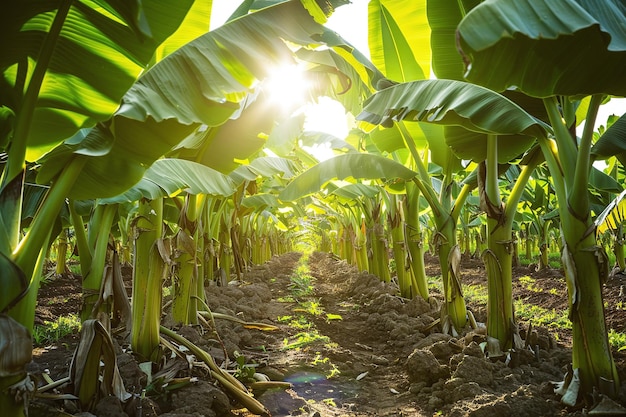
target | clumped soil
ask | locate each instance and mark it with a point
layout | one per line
(348, 344)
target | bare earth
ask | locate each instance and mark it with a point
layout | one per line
(357, 349)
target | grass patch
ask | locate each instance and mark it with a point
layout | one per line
(475, 293)
(530, 284)
(434, 283)
(303, 339)
(523, 311)
(541, 316)
(617, 340)
(51, 331)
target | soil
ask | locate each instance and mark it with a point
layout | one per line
(349, 346)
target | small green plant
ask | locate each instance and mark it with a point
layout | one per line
(51, 331)
(303, 339)
(330, 402)
(554, 260)
(301, 322)
(325, 362)
(617, 340)
(434, 283)
(313, 307)
(330, 317)
(75, 268)
(529, 284)
(301, 284)
(245, 371)
(167, 291)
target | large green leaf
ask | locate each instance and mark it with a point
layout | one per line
(168, 177)
(196, 23)
(362, 166)
(449, 102)
(545, 47)
(390, 39)
(613, 215)
(467, 144)
(262, 202)
(264, 167)
(612, 142)
(353, 192)
(202, 83)
(100, 51)
(443, 17)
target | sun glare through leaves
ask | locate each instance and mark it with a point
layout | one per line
(288, 87)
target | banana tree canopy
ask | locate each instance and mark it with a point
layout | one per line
(99, 53)
(545, 47)
(204, 82)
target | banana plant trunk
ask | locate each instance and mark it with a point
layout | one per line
(414, 241)
(399, 253)
(586, 268)
(543, 247)
(148, 274)
(61, 250)
(528, 242)
(584, 261)
(185, 283)
(498, 257)
(618, 248)
(99, 232)
(454, 310)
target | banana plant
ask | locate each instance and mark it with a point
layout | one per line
(498, 257)
(44, 56)
(154, 258)
(539, 209)
(615, 169)
(399, 43)
(528, 47)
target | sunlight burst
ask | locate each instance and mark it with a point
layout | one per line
(287, 86)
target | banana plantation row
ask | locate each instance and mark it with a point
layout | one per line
(137, 129)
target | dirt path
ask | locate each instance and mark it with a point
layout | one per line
(350, 347)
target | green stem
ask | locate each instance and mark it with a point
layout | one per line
(492, 189)
(27, 252)
(410, 144)
(578, 201)
(184, 305)
(81, 239)
(591, 351)
(460, 201)
(19, 142)
(566, 145)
